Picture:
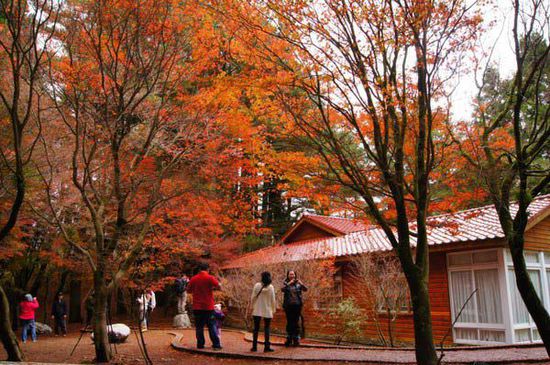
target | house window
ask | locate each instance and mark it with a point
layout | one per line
(538, 268)
(475, 290)
(398, 301)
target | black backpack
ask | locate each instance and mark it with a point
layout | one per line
(181, 285)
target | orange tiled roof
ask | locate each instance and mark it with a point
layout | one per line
(341, 225)
(469, 225)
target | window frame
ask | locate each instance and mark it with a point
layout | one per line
(543, 268)
(403, 310)
(472, 267)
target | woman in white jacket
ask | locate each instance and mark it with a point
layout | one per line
(146, 302)
(263, 306)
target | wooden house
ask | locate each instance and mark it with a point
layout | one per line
(467, 253)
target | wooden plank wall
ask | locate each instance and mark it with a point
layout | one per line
(403, 325)
(538, 237)
(318, 324)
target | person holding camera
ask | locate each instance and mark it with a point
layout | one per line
(27, 309)
(292, 304)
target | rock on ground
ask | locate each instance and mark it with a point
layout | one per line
(181, 321)
(43, 329)
(118, 332)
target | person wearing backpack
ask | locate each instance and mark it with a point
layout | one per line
(263, 306)
(181, 292)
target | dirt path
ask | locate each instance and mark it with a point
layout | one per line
(52, 349)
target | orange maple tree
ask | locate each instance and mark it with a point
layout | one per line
(119, 90)
(163, 147)
(372, 79)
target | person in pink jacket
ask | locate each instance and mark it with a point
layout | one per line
(27, 308)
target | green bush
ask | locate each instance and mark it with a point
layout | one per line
(347, 318)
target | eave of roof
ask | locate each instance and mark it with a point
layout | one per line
(474, 225)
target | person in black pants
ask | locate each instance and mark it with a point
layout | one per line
(292, 304)
(263, 306)
(201, 286)
(59, 315)
(204, 318)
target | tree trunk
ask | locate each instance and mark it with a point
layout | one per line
(74, 302)
(37, 282)
(101, 338)
(46, 299)
(63, 281)
(417, 273)
(9, 339)
(528, 293)
(423, 337)
(389, 321)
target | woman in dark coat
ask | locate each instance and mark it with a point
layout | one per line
(292, 304)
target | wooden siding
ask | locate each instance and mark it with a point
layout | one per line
(403, 328)
(307, 231)
(317, 324)
(538, 237)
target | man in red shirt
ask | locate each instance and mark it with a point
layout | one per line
(202, 287)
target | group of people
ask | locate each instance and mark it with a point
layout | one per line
(264, 306)
(27, 315)
(206, 312)
(263, 303)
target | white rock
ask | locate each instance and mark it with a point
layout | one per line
(43, 329)
(118, 332)
(181, 321)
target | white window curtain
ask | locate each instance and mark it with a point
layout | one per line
(489, 307)
(475, 285)
(461, 282)
(534, 275)
(521, 315)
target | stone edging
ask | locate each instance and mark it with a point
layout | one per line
(176, 344)
(327, 344)
(323, 345)
(258, 356)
